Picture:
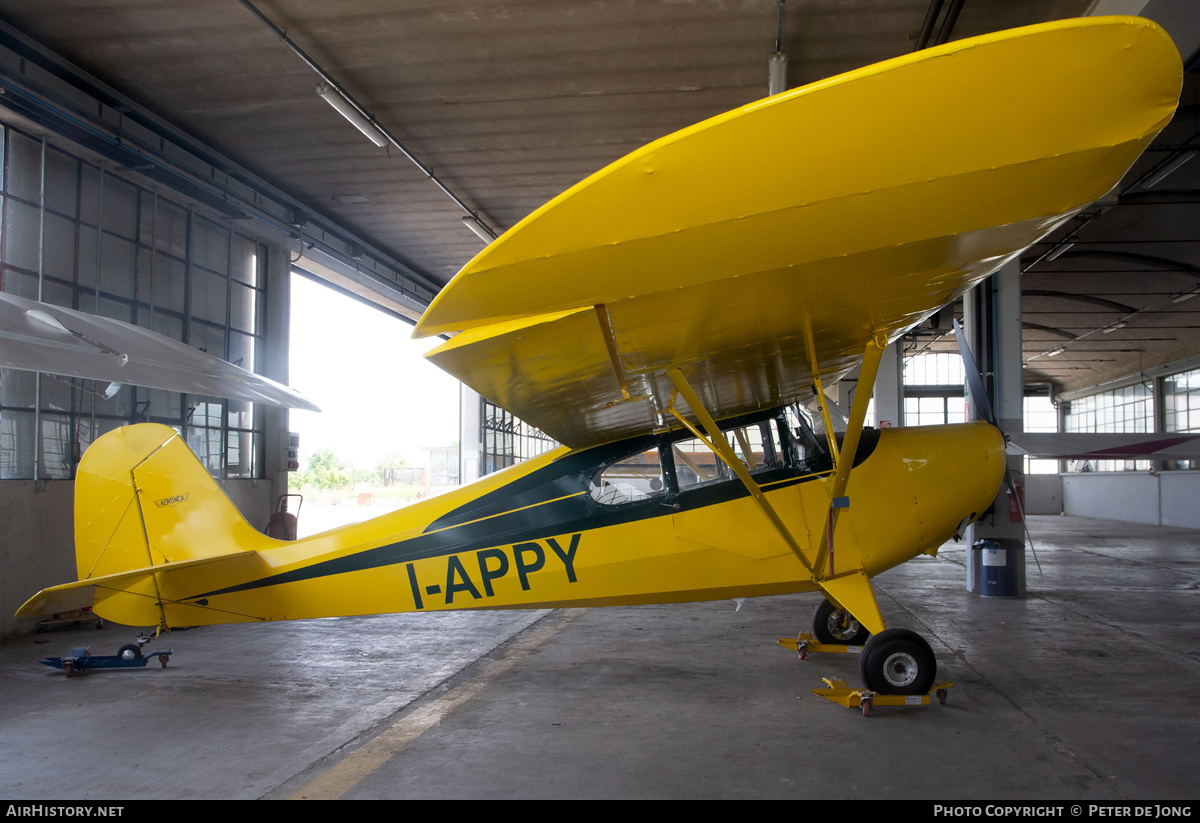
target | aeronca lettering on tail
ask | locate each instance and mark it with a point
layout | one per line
(673, 321)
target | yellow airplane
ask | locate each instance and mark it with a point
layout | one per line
(665, 319)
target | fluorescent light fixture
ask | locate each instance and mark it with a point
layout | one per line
(1120, 324)
(334, 98)
(474, 225)
(1187, 295)
(351, 199)
(1168, 169)
(1055, 352)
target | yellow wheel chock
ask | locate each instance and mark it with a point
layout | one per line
(840, 692)
(806, 643)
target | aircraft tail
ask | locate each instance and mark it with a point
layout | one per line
(145, 509)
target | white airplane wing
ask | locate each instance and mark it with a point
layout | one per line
(1081, 446)
(40, 337)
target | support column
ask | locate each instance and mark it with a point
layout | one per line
(1010, 369)
(470, 435)
(274, 364)
(992, 323)
(889, 389)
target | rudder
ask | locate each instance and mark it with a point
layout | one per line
(142, 501)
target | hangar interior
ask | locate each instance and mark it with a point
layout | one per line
(172, 165)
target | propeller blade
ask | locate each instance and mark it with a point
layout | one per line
(1012, 490)
(983, 408)
(979, 395)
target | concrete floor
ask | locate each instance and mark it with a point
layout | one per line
(1083, 690)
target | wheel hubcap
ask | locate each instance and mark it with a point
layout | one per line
(841, 628)
(900, 669)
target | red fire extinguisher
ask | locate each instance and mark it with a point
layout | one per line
(1016, 504)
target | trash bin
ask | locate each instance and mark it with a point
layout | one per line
(1000, 566)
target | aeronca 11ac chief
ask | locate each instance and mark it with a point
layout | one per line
(671, 320)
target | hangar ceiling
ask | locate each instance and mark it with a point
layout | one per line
(509, 102)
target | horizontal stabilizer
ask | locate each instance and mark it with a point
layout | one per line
(67, 596)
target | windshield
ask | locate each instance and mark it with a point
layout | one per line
(809, 446)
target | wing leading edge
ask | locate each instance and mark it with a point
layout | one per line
(831, 213)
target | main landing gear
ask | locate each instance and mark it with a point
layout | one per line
(895, 662)
(898, 661)
(833, 625)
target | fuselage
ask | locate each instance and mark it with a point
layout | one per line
(651, 519)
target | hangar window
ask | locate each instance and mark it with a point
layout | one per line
(1040, 416)
(1181, 408)
(933, 389)
(508, 440)
(1127, 409)
(80, 236)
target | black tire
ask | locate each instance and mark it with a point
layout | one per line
(828, 628)
(898, 661)
(130, 651)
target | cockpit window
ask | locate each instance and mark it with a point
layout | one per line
(637, 477)
(809, 450)
(755, 444)
(785, 440)
(696, 465)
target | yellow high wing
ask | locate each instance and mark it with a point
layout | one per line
(851, 207)
(753, 254)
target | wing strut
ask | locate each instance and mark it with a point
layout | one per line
(610, 343)
(720, 446)
(851, 591)
(820, 391)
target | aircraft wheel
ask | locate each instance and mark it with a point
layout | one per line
(898, 661)
(130, 651)
(828, 626)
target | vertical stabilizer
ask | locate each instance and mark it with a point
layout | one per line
(143, 499)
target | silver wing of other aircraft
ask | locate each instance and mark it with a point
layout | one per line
(1088, 446)
(37, 336)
